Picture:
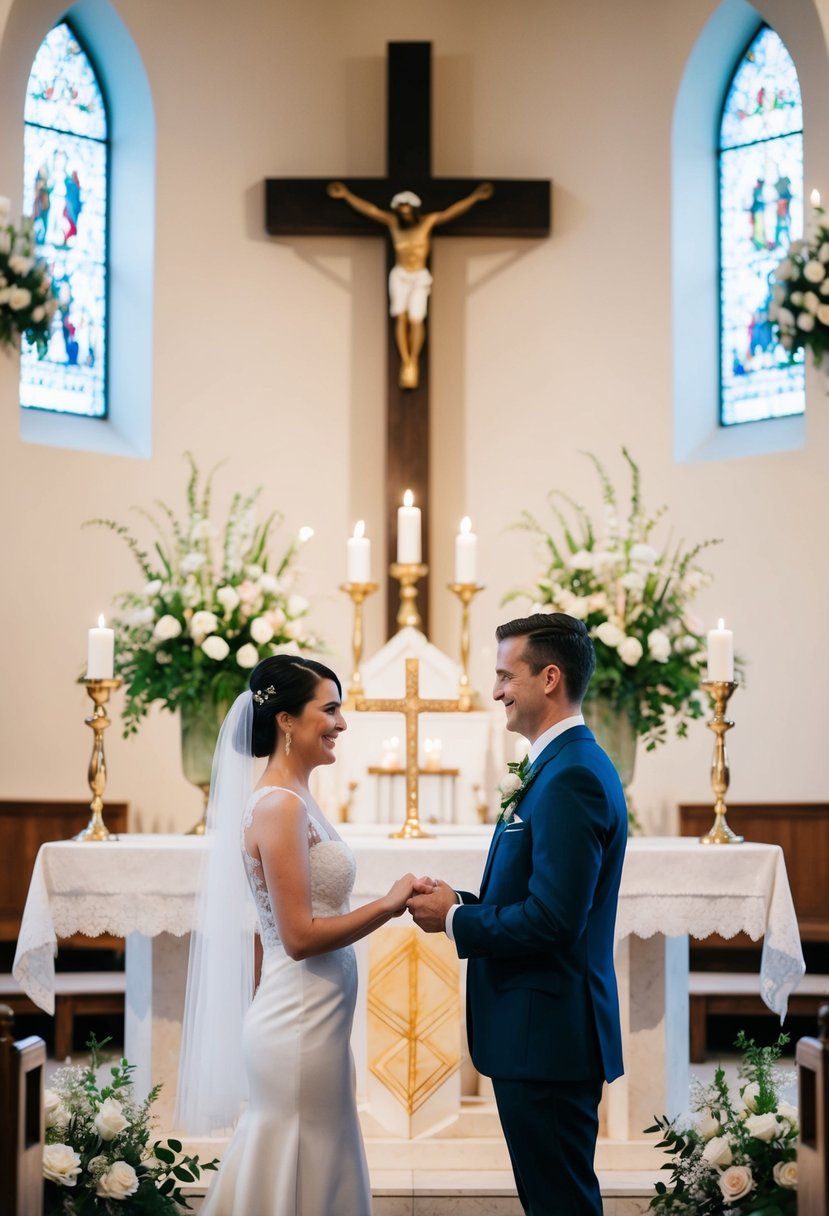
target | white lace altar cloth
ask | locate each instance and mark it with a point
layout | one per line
(671, 885)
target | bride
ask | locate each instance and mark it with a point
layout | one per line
(297, 1149)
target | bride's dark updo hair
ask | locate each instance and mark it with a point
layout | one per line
(283, 683)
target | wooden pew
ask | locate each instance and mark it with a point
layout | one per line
(723, 970)
(22, 1066)
(813, 1105)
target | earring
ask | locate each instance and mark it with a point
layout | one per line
(287, 743)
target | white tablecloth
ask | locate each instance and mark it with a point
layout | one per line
(670, 885)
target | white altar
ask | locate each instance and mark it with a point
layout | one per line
(142, 887)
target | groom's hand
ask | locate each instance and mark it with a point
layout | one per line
(429, 910)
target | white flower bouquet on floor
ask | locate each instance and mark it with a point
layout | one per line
(98, 1158)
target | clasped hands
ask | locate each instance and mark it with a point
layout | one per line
(429, 904)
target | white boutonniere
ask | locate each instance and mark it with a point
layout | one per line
(513, 787)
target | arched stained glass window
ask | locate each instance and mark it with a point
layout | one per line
(761, 212)
(65, 193)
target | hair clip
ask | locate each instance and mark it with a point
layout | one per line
(264, 694)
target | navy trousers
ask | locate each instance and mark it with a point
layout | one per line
(551, 1129)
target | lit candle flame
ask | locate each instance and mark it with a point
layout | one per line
(101, 620)
(466, 524)
(360, 529)
(814, 198)
(408, 499)
(305, 534)
(721, 623)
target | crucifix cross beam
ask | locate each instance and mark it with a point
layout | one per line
(304, 207)
(411, 706)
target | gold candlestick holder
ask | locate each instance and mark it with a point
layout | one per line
(99, 691)
(720, 691)
(358, 592)
(408, 574)
(465, 592)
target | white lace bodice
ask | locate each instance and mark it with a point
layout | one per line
(333, 869)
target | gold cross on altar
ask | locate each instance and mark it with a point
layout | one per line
(410, 706)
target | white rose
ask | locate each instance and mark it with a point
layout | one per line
(785, 1174)
(202, 623)
(20, 264)
(246, 656)
(579, 607)
(797, 298)
(749, 1094)
(735, 1183)
(814, 271)
(510, 785)
(645, 554)
(582, 559)
(261, 630)
(786, 1111)
(269, 583)
(631, 651)
(659, 645)
(191, 562)
(215, 648)
(166, 627)
(61, 1164)
(763, 1127)
(152, 588)
(717, 1151)
(784, 270)
(119, 1182)
(297, 605)
(823, 314)
(228, 597)
(19, 297)
(806, 322)
(609, 634)
(811, 301)
(55, 1112)
(708, 1126)
(110, 1121)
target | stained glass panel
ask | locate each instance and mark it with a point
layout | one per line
(761, 212)
(65, 193)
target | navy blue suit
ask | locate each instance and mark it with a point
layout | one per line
(542, 1004)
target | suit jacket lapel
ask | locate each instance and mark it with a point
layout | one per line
(499, 831)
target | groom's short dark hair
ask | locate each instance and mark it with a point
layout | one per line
(558, 639)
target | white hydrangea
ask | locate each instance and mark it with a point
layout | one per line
(261, 631)
(630, 651)
(247, 655)
(215, 648)
(202, 623)
(814, 271)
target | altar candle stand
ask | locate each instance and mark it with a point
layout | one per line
(465, 592)
(358, 593)
(99, 690)
(408, 574)
(720, 833)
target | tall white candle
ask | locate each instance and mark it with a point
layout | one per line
(100, 653)
(359, 555)
(720, 653)
(408, 530)
(466, 553)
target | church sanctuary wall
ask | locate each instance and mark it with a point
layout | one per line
(269, 354)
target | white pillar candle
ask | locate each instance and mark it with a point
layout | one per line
(359, 555)
(408, 531)
(814, 198)
(100, 652)
(466, 553)
(720, 653)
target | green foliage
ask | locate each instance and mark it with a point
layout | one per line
(98, 1159)
(27, 298)
(212, 605)
(634, 599)
(740, 1154)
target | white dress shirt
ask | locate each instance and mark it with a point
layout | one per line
(536, 748)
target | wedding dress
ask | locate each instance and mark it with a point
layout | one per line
(297, 1149)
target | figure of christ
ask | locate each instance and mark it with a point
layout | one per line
(409, 280)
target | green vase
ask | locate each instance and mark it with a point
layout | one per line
(200, 724)
(615, 733)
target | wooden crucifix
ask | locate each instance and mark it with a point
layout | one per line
(305, 207)
(411, 707)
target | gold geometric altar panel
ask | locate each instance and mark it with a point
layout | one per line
(413, 1013)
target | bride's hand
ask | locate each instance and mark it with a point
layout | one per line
(400, 893)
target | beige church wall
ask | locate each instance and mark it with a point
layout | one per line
(269, 355)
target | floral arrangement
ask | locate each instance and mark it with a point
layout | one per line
(740, 1154)
(514, 786)
(212, 605)
(800, 299)
(97, 1153)
(634, 599)
(27, 299)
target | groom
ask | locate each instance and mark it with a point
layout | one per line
(542, 1006)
